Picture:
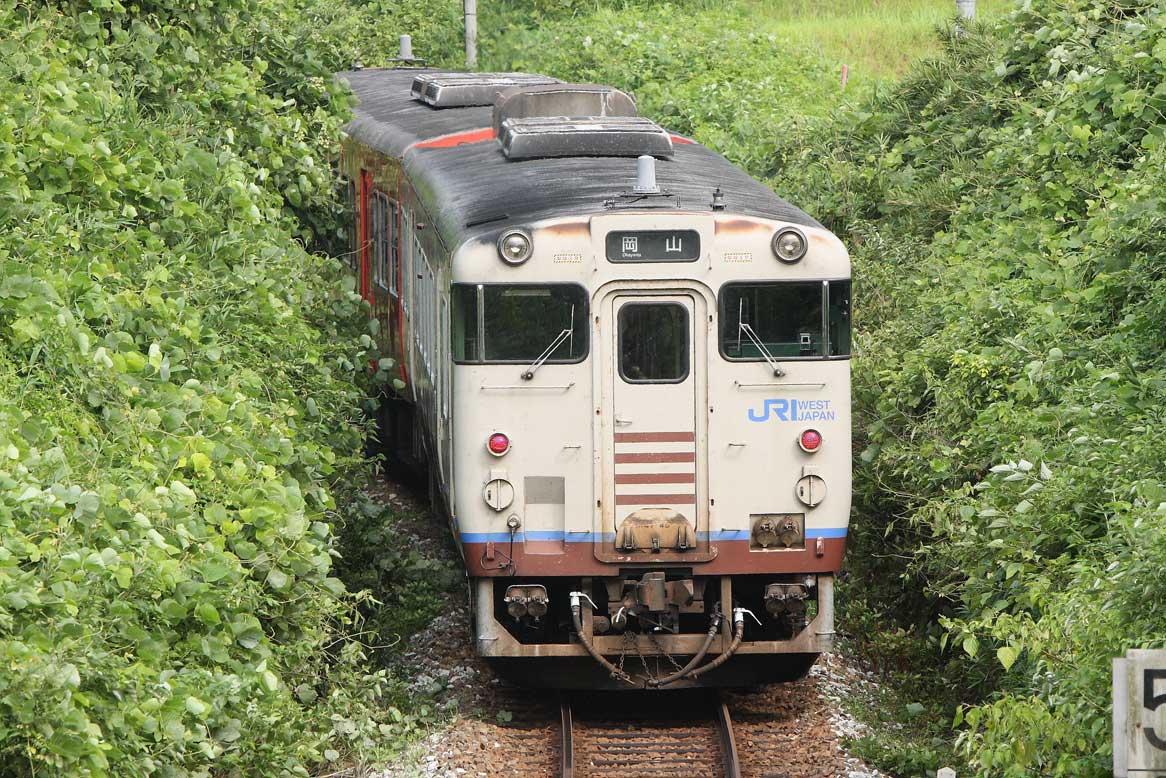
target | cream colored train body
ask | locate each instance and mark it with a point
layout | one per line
(634, 405)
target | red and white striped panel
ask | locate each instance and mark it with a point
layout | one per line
(655, 469)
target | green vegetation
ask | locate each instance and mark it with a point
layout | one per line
(180, 419)
(708, 74)
(1003, 208)
(877, 39)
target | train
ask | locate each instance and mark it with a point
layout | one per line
(625, 366)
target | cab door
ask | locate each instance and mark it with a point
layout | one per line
(656, 508)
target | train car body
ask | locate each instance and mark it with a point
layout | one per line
(634, 405)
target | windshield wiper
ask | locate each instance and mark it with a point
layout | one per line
(742, 326)
(533, 367)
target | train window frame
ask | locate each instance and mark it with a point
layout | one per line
(824, 331)
(686, 349)
(480, 316)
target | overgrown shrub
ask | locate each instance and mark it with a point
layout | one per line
(708, 74)
(1004, 213)
(179, 399)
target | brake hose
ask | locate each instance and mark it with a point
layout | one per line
(738, 634)
(714, 625)
(577, 618)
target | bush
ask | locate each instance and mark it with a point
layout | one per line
(708, 74)
(180, 392)
(1003, 212)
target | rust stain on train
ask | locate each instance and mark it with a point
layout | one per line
(568, 229)
(739, 226)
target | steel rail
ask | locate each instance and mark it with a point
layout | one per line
(728, 740)
(567, 756)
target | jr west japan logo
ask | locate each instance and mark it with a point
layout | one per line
(793, 410)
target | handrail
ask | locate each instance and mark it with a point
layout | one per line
(816, 384)
(557, 387)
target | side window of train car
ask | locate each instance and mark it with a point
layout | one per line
(380, 238)
(789, 320)
(518, 323)
(394, 250)
(406, 259)
(352, 258)
(423, 309)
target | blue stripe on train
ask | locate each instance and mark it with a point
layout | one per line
(608, 537)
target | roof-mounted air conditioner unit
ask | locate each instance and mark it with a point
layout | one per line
(569, 100)
(591, 136)
(459, 90)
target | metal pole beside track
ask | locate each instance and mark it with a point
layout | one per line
(471, 17)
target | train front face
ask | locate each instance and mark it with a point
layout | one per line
(651, 417)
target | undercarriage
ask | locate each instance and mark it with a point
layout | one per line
(654, 628)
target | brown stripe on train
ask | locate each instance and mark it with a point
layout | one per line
(676, 456)
(655, 437)
(655, 499)
(655, 478)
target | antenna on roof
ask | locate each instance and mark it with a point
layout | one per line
(646, 175)
(646, 193)
(405, 52)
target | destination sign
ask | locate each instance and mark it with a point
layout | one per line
(653, 246)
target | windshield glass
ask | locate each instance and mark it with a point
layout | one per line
(516, 323)
(787, 318)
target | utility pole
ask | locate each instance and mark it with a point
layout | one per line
(471, 13)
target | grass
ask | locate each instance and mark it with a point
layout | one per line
(876, 39)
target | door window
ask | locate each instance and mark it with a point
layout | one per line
(653, 343)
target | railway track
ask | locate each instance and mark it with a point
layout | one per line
(688, 738)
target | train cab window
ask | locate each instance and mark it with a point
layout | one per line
(653, 343)
(785, 320)
(519, 323)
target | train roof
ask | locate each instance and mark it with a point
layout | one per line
(470, 187)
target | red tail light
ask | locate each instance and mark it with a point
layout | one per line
(810, 441)
(498, 444)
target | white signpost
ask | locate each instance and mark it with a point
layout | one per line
(1139, 714)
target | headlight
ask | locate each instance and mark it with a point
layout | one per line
(514, 246)
(789, 244)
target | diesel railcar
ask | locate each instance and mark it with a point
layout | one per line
(626, 367)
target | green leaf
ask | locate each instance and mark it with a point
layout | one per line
(197, 707)
(971, 645)
(1007, 656)
(208, 614)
